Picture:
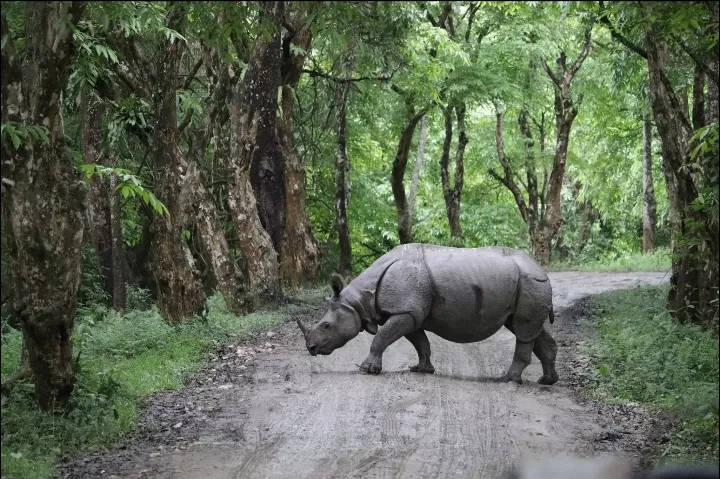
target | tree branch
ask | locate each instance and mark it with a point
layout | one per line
(189, 79)
(619, 36)
(316, 73)
(507, 168)
(186, 121)
(698, 61)
(550, 73)
(585, 50)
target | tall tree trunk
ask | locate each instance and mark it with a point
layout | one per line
(416, 170)
(44, 196)
(649, 209)
(98, 208)
(588, 216)
(252, 115)
(342, 184)
(103, 211)
(397, 178)
(453, 193)
(299, 259)
(119, 261)
(214, 248)
(221, 272)
(180, 294)
(697, 252)
(267, 163)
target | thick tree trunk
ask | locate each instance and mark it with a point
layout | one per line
(252, 117)
(416, 171)
(453, 193)
(44, 196)
(649, 209)
(397, 178)
(299, 259)
(342, 185)
(267, 163)
(220, 271)
(693, 296)
(180, 294)
(214, 249)
(541, 246)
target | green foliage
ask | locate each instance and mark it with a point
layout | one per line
(91, 292)
(19, 134)
(123, 360)
(129, 185)
(649, 357)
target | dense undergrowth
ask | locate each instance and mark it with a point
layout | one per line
(658, 260)
(643, 355)
(123, 359)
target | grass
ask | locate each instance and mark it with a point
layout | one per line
(124, 359)
(658, 260)
(643, 355)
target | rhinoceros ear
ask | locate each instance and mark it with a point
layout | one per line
(336, 283)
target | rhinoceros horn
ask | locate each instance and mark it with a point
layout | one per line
(302, 327)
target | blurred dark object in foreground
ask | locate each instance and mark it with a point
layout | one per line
(605, 468)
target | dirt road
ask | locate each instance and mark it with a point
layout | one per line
(284, 413)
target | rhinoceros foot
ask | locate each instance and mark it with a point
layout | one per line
(512, 377)
(371, 365)
(423, 368)
(548, 380)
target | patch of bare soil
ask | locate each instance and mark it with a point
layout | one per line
(267, 409)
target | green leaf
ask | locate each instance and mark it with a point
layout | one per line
(603, 370)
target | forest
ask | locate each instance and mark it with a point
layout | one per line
(185, 156)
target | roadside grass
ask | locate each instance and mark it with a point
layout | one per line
(643, 355)
(124, 359)
(658, 260)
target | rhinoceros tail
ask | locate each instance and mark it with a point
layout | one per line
(552, 316)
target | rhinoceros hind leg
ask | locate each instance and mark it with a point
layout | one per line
(521, 359)
(546, 350)
(422, 346)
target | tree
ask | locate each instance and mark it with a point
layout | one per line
(342, 181)
(412, 200)
(252, 123)
(267, 162)
(542, 211)
(180, 293)
(694, 293)
(42, 192)
(649, 208)
(103, 209)
(412, 117)
(299, 256)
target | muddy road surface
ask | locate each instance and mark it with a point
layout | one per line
(273, 411)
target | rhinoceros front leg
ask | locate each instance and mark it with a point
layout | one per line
(420, 340)
(395, 328)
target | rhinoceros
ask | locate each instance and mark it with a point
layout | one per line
(463, 295)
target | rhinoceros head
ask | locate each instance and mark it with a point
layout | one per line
(340, 324)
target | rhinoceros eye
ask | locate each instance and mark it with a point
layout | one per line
(326, 325)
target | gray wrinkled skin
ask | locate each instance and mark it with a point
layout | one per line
(463, 295)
